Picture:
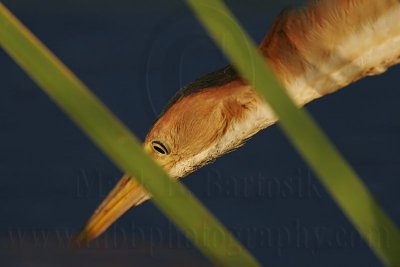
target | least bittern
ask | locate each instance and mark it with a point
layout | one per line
(313, 52)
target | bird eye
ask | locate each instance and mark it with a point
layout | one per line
(160, 147)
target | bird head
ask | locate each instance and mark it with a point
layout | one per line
(197, 126)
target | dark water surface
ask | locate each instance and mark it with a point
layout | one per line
(134, 55)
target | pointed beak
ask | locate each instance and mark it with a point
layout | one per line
(125, 195)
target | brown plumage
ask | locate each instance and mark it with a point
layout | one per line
(314, 51)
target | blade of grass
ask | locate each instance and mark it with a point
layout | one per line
(334, 172)
(119, 144)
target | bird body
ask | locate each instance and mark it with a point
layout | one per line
(313, 52)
